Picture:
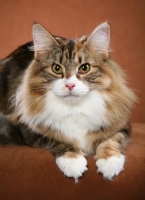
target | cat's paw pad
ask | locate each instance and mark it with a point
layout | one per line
(72, 167)
(111, 167)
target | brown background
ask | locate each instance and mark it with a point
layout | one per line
(73, 18)
(27, 173)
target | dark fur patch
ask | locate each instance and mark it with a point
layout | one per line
(126, 130)
(56, 147)
(71, 48)
(9, 133)
(80, 59)
(22, 56)
(10, 72)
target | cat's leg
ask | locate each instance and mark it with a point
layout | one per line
(109, 154)
(69, 158)
(72, 164)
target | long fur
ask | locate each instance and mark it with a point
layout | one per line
(72, 113)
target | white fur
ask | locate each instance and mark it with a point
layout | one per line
(72, 167)
(111, 167)
(73, 114)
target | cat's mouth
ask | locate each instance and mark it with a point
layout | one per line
(65, 94)
(70, 97)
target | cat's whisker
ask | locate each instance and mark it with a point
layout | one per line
(37, 99)
(39, 107)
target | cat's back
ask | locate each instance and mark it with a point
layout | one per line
(11, 72)
(18, 59)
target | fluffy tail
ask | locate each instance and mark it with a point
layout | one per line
(9, 133)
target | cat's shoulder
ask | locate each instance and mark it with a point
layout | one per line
(19, 58)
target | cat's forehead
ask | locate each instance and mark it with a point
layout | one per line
(69, 47)
(72, 50)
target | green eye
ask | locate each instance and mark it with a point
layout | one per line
(57, 69)
(84, 68)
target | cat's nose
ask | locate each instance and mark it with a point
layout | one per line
(70, 86)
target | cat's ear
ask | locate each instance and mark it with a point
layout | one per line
(100, 38)
(43, 41)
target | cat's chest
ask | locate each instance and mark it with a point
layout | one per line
(75, 121)
(75, 127)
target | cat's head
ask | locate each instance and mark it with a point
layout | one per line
(70, 69)
(76, 74)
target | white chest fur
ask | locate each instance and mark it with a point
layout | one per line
(74, 121)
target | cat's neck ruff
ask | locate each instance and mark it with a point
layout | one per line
(73, 121)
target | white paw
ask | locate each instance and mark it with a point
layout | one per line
(72, 167)
(111, 167)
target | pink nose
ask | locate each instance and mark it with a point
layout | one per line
(70, 86)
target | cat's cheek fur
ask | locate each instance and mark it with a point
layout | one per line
(111, 167)
(72, 166)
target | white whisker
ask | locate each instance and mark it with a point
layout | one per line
(39, 107)
(37, 99)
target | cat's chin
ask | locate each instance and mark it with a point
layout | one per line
(72, 99)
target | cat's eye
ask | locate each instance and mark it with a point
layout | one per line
(84, 68)
(57, 69)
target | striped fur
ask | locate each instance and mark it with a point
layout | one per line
(68, 97)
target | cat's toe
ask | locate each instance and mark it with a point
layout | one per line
(72, 167)
(111, 167)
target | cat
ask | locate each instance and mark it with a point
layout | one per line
(68, 97)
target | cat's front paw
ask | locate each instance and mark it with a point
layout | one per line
(72, 167)
(111, 167)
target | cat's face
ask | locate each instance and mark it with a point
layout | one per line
(71, 69)
(72, 79)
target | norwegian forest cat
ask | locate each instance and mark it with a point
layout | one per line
(68, 97)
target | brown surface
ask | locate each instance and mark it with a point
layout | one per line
(74, 18)
(31, 174)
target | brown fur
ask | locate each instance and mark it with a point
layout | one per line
(111, 147)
